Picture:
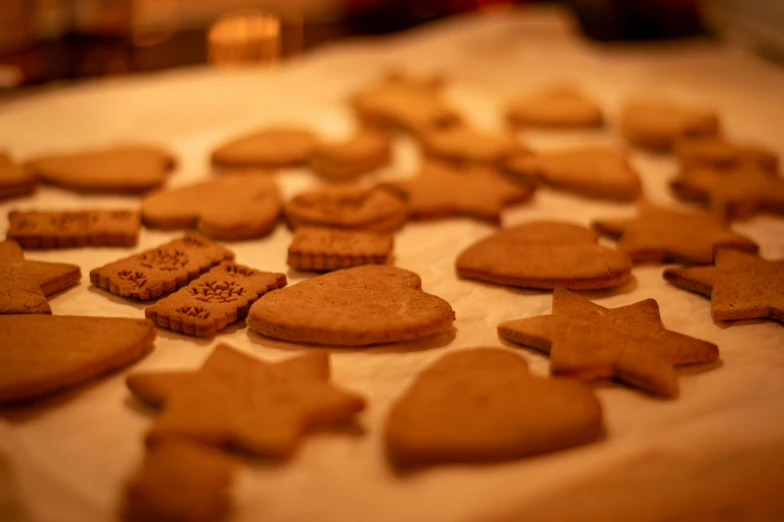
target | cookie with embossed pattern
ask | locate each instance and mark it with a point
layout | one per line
(325, 249)
(66, 229)
(15, 180)
(215, 300)
(160, 270)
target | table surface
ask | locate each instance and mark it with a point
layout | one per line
(718, 449)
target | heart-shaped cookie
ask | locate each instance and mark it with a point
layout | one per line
(482, 404)
(230, 207)
(358, 306)
(545, 254)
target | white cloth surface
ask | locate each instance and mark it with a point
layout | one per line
(717, 450)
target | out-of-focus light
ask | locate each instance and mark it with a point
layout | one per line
(247, 37)
(154, 21)
(10, 76)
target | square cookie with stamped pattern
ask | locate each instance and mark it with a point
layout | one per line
(325, 249)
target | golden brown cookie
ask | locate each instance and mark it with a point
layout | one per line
(347, 207)
(42, 354)
(24, 285)
(270, 147)
(735, 192)
(544, 254)
(160, 270)
(406, 102)
(227, 208)
(557, 107)
(462, 143)
(483, 404)
(180, 481)
(213, 301)
(440, 191)
(15, 180)
(325, 249)
(658, 124)
(601, 172)
(715, 151)
(358, 306)
(740, 285)
(239, 401)
(122, 168)
(630, 343)
(364, 152)
(76, 228)
(662, 235)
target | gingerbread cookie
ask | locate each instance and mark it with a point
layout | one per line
(364, 152)
(246, 403)
(15, 180)
(180, 480)
(46, 353)
(214, 300)
(440, 191)
(664, 235)
(160, 270)
(483, 404)
(462, 143)
(122, 168)
(401, 101)
(66, 229)
(325, 249)
(560, 107)
(658, 124)
(630, 343)
(600, 172)
(735, 192)
(347, 207)
(740, 285)
(271, 147)
(544, 254)
(715, 151)
(24, 285)
(358, 306)
(228, 208)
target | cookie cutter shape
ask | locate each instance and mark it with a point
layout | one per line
(66, 229)
(270, 147)
(160, 270)
(326, 249)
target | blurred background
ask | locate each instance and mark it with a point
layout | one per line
(43, 41)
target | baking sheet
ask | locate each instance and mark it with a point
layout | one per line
(718, 450)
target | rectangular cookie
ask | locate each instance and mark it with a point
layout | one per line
(161, 270)
(325, 249)
(66, 229)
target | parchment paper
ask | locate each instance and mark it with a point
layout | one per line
(716, 451)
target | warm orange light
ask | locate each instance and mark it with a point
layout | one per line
(245, 37)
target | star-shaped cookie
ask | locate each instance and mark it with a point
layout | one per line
(736, 192)
(662, 234)
(630, 343)
(243, 402)
(24, 285)
(740, 285)
(439, 191)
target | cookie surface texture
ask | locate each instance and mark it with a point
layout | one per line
(662, 235)
(740, 285)
(363, 152)
(213, 301)
(554, 107)
(325, 249)
(358, 306)
(658, 124)
(267, 148)
(439, 191)
(347, 207)
(600, 172)
(483, 404)
(123, 169)
(24, 285)
(239, 401)
(230, 207)
(160, 270)
(544, 254)
(630, 343)
(180, 480)
(67, 229)
(45, 353)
